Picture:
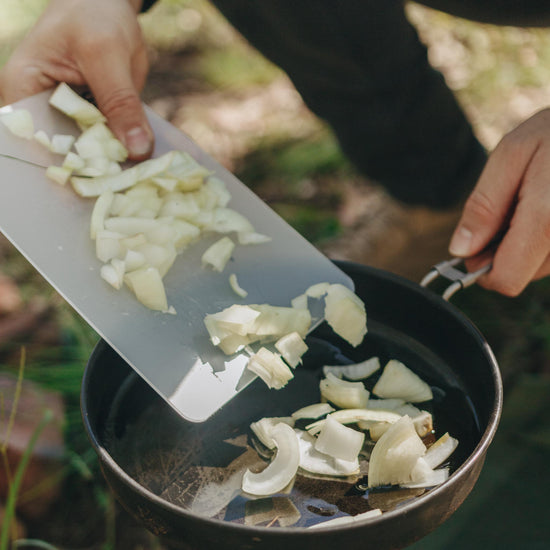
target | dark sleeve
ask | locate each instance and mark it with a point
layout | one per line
(147, 4)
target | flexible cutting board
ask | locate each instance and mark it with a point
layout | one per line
(49, 224)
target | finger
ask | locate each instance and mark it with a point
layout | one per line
(113, 85)
(526, 245)
(489, 206)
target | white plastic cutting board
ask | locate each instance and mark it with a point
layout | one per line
(49, 224)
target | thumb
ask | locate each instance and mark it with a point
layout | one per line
(490, 206)
(118, 99)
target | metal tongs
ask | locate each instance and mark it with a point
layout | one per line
(460, 279)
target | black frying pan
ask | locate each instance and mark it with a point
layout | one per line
(157, 464)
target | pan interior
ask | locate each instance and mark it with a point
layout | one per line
(198, 467)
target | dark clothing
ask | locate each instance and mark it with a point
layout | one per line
(359, 65)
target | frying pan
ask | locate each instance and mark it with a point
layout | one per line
(181, 480)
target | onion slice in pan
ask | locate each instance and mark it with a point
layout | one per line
(280, 472)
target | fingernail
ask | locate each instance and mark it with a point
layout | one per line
(137, 141)
(461, 242)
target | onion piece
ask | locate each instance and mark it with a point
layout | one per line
(345, 313)
(146, 283)
(237, 289)
(351, 416)
(424, 476)
(270, 368)
(262, 428)
(344, 394)
(100, 212)
(19, 122)
(441, 450)
(316, 462)
(61, 144)
(42, 137)
(339, 441)
(356, 371)
(395, 454)
(58, 174)
(66, 100)
(251, 237)
(315, 410)
(397, 380)
(218, 254)
(291, 346)
(113, 273)
(346, 520)
(282, 469)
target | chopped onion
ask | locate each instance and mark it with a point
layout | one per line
(19, 122)
(270, 368)
(146, 283)
(100, 212)
(291, 347)
(350, 395)
(357, 371)
(42, 137)
(313, 411)
(424, 476)
(251, 237)
(218, 254)
(397, 380)
(441, 450)
(345, 313)
(316, 462)
(58, 174)
(237, 289)
(61, 144)
(66, 100)
(262, 428)
(351, 416)
(395, 454)
(280, 472)
(339, 441)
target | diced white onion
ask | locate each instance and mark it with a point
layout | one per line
(218, 254)
(19, 122)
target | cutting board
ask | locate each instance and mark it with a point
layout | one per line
(49, 224)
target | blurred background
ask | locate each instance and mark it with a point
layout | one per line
(206, 80)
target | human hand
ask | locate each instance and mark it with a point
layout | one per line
(511, 201)
(95, 44)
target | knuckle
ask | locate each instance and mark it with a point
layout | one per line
(119, 102)
(481, 206)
